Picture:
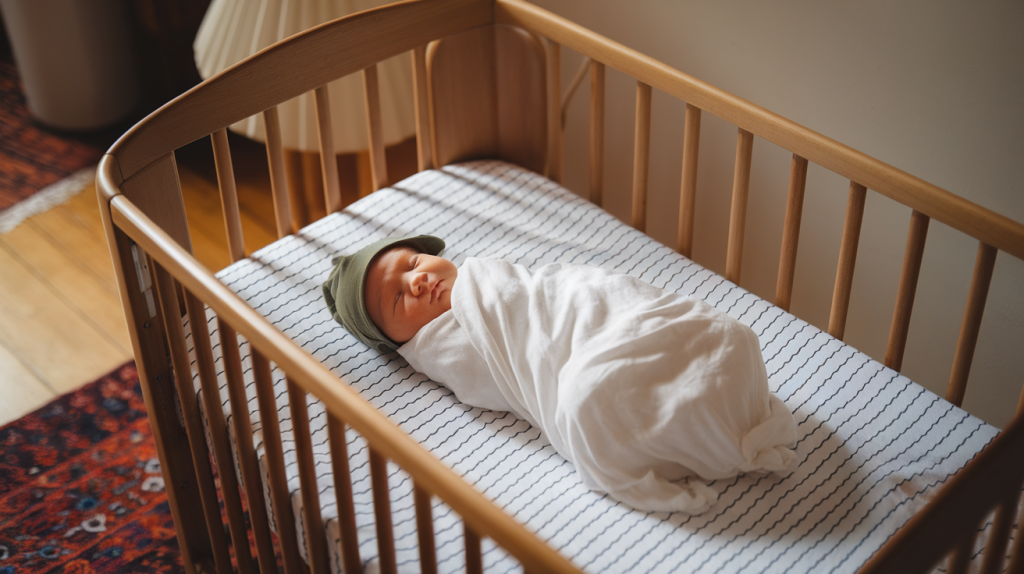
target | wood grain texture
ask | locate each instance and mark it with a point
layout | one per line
(68, 280)
(23, 391)
(46, 334)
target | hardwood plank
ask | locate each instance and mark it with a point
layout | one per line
(85, 293)
(76, 228)
(22, 390)
(50, 338)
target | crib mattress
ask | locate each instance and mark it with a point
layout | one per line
(873, 446)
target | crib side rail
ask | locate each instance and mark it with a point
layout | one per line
(992, 481)
(171, 271)
(994, 231)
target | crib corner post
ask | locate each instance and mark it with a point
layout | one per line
(145, 326)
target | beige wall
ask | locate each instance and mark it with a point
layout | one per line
(932, 87)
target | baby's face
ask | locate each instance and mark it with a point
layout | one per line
(406, 289)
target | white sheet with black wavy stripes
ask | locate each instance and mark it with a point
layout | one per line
(873, 445)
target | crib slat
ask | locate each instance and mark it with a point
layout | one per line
(738, 212)
(424, 156)
(688, 191)
(218, 431)
(984, 264)
(274, 453)
(252, 483)
(316, 544)
(374, 127)
(474, 556)
(425, 530)
(228, 194)
(570, 92)
(343, 492)
(167, 293)
(641, 155)
(960, 559)
(596, 132)
(1016, 565)
(995, 546)
(912, 258)
(791, 232)
(553, 79)
(328, 160)
(847, 260)
(278, 174)
(382, 512)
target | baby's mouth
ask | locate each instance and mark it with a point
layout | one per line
(435, 293)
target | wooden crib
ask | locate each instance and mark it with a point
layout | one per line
(487, 85)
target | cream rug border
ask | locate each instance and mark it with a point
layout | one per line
(47, 198)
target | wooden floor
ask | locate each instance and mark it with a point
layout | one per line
(61, 322)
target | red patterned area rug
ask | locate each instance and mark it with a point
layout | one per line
(40, 168)
(81, 488)
(33, 157)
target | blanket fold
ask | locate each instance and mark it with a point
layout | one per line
(646, 392)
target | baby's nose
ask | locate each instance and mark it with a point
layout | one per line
(418, 283)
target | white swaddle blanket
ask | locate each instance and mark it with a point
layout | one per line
(642, 390)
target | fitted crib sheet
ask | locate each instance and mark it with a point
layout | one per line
(873, 446)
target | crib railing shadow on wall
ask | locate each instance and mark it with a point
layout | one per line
(489, 89)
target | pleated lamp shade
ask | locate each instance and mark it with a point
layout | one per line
(232, 30)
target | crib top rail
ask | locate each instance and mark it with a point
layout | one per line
(979, 222)
(339, 48)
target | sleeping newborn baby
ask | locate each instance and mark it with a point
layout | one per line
(648, 393)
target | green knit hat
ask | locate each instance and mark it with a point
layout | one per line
(343, 291)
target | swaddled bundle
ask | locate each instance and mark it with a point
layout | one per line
(646, 392)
